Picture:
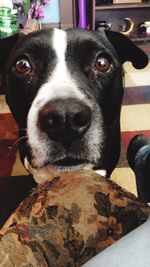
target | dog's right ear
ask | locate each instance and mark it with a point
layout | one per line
(6, 45)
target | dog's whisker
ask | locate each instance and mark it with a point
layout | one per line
(18, 141)
(23, 129)
(14, 131)
(14, 147)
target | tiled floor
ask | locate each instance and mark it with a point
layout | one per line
(134, 117)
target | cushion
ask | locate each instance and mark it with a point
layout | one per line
(69, 219)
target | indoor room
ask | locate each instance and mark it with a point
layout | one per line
(74, 133)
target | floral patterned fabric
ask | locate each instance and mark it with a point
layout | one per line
(67, 220)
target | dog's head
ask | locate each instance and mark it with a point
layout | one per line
(64, 89)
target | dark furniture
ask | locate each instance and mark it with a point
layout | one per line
(114, 13)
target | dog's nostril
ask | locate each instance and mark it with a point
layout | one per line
(51, 121)
(81, 119)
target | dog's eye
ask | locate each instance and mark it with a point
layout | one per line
(23, 66)
(102, 63)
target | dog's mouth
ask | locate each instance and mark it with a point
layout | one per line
(68, 163)
(42, 173)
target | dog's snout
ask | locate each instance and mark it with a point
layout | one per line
(65, 120)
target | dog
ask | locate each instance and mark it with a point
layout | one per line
(65, 90)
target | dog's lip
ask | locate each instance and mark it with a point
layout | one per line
(69, 162)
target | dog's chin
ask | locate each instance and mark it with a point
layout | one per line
(48, 172)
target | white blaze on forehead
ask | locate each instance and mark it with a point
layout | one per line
(60, 45)
(60, 84)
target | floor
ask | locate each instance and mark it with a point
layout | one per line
(135, 117)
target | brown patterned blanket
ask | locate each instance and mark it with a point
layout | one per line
(67, 220)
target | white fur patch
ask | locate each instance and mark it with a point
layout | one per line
(60, 84)
(101, 172)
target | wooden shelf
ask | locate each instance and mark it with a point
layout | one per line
(115, 14)
(140, 39)
(122, 6)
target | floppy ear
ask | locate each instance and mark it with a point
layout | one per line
(127, 50)
(6, 45)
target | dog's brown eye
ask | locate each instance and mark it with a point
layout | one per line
(23, 66)
(102, 64)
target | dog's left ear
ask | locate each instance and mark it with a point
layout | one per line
(127, 50)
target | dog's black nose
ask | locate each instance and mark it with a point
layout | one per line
(65, 120)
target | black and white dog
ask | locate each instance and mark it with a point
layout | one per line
(65, 89)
